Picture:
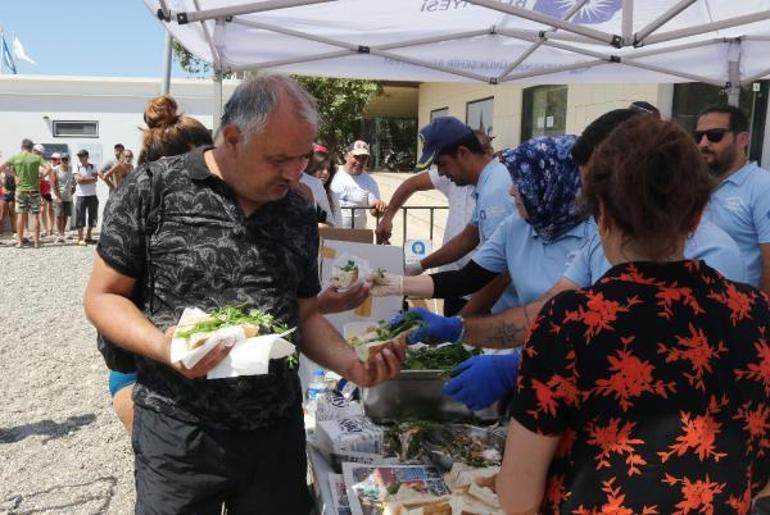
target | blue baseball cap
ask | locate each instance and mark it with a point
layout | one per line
(439, 134)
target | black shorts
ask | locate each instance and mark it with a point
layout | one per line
(83, 206)
(185, 468)
(47, 197)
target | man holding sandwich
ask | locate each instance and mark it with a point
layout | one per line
(213, 228)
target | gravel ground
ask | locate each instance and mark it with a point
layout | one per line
(62, 450)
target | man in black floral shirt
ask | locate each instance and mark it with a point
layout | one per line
(212, 228)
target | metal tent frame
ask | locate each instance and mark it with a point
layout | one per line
(563, 34)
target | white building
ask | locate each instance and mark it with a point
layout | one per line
(95, 113)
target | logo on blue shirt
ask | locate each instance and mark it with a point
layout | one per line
(596, 11)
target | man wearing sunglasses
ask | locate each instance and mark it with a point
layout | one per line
(740, 204)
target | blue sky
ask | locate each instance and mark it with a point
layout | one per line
(111, 38)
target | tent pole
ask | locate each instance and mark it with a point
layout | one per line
(217, 113)
(734, 73)
(182, 17)
(637, 54)
(628, 22)
(297, 60)
(708, 27)
(215, 55)
(555, 69)
(531, 50)
(520, 12)
(757, 76)
(675, 73)
(661, 20)
(355, 47)
(166, 85)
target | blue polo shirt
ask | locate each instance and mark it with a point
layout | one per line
(493, 205)
(740, 206)
(534, 264)
(493, 199)
(708, 243)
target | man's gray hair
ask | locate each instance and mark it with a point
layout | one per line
(252, 103)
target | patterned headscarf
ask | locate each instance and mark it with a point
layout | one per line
(548, 180)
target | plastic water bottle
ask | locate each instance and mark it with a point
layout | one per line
(315, 389)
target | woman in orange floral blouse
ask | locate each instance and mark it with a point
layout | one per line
(648, 392)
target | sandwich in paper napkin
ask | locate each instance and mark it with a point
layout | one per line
(250, 355)
(347, 270)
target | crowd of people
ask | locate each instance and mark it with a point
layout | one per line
(41, 193)
(617, 280)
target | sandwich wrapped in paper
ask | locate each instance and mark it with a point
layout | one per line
(345, 275)
(375, 339)
(256, 338)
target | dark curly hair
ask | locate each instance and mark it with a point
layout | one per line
(651, 181)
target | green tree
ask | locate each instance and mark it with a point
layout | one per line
(341, 102)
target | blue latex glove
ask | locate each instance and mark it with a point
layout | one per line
(481, 380)
(434, 329)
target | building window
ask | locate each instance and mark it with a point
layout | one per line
(438, 113)
(75, 129)
(544, 111)
(479, 114)
(691, 98)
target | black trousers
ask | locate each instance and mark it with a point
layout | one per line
(185, 468)
(86, 205)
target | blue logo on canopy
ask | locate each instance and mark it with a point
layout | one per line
(596, 11)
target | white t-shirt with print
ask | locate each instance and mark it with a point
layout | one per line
(88, 189)
(354, 191)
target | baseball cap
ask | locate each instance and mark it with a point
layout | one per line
(82, 152)
(645, 107)
(320, 149)
(359, 148)
(39, 148)
(56, 155)
(65, 156)
(439, 134)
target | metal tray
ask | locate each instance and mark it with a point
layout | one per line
(417, 394)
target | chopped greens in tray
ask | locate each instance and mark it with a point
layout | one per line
(415, 439)
(437, 358)
(231, 316)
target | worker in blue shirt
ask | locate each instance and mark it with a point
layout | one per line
(533, 247)
(740, 205)
(708, 243)
(454, 149)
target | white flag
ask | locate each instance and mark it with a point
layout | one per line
(19, 53)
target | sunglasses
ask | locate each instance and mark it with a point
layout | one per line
(713, 135)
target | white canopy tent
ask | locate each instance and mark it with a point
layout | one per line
(719, 42)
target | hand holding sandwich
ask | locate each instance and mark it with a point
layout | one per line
(206, 363)
(382, 367)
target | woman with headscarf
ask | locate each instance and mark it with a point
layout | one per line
(534, 246)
